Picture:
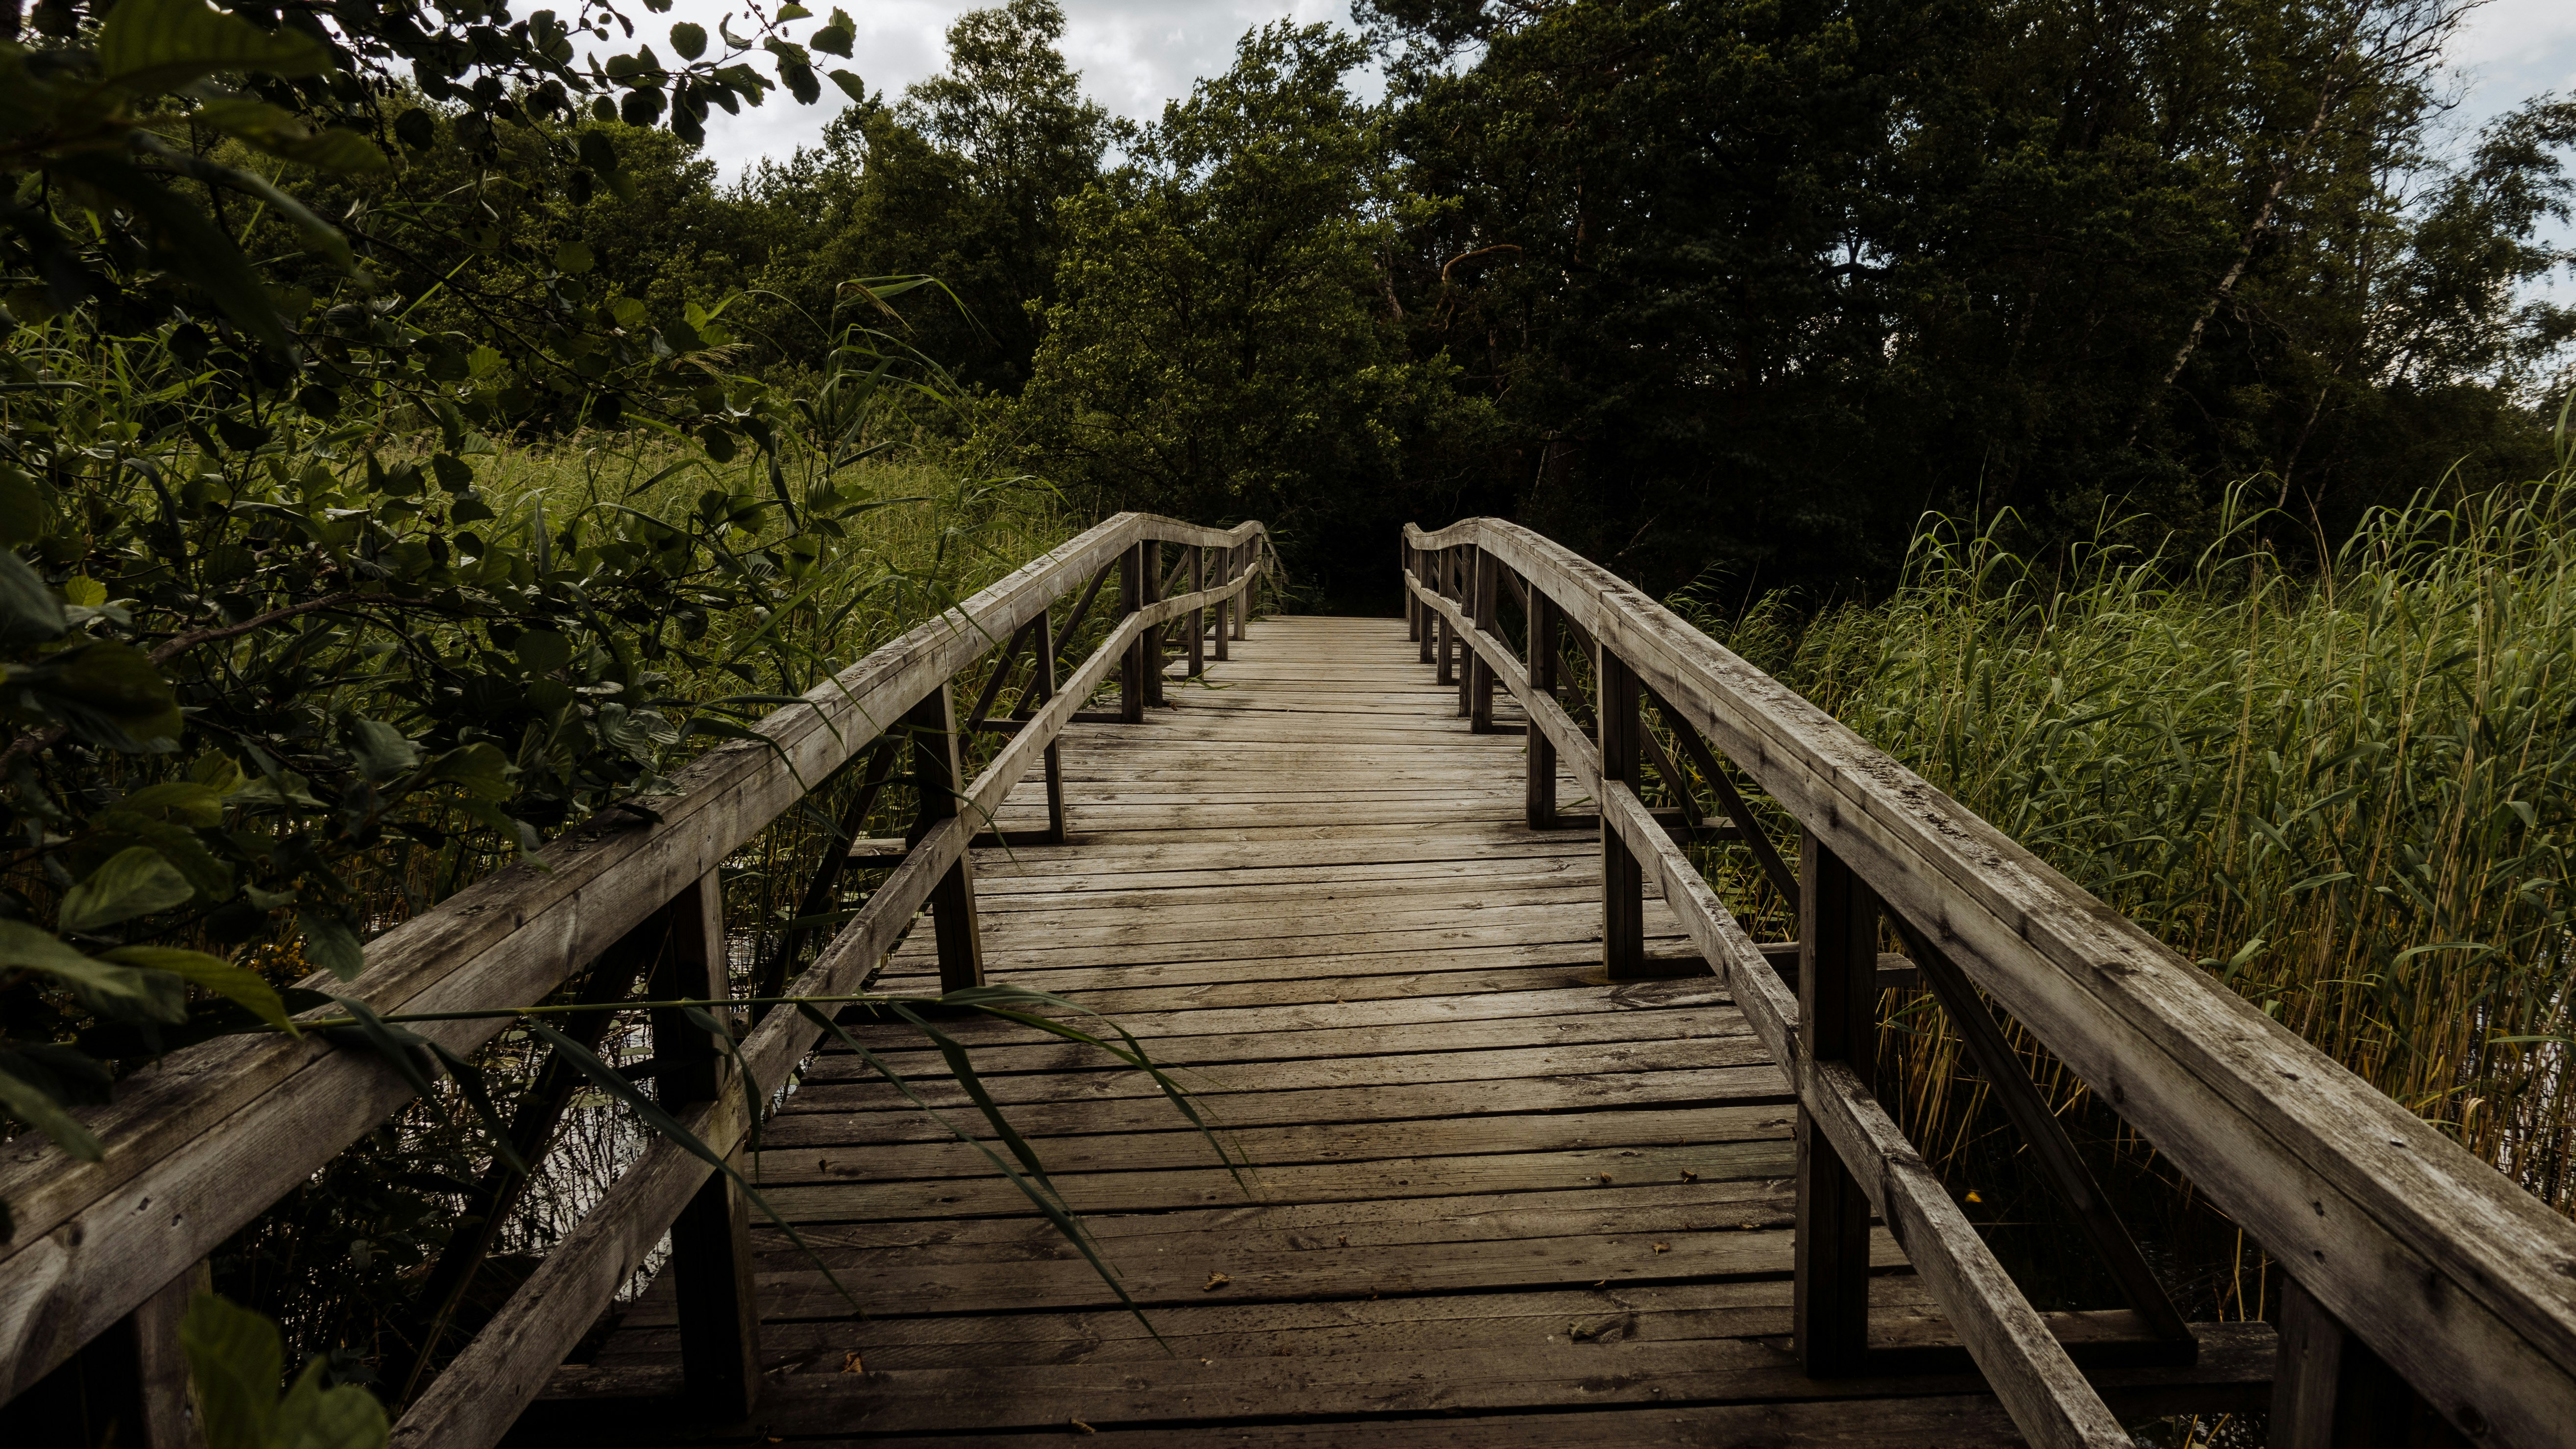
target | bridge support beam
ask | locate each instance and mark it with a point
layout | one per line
(719, 1312)
(1623, 880)
(1838, 1016)
(938, 776)
(1540, 795)
(1480, 675)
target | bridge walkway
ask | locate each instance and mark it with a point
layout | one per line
(1490, 1199)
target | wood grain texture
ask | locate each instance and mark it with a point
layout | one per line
(1468, 1160)
(2457, 1278)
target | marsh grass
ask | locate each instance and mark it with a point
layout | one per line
(2348, 794)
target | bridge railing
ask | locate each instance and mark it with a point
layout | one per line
(2400, 1250)
(200, 1145)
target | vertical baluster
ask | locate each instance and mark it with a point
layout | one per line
(1226, 609)
(1480, 675)
(1198, 616)
(1440, 576)
(719, 1311)
(1425, 564)
(1412, 605)
(1045, 682)
(937, 776)
(1541, 792)
(1623, 880)
(2329, 1391)
(1243, 602)
(1838, 1021)
(1131, 665)
(1150, 562)
(1463, 586)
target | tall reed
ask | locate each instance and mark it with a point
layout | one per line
(2349, 794)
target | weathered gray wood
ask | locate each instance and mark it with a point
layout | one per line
(1187, 1391)
(217, 1132)
(936, 776)
(710, 1242)
(1838, 1012)
(2319, 1166)
(1480, 675)
(1623, 929)
(1538, 804)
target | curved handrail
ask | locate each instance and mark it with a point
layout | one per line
(201, 1144)
(2451, 1273)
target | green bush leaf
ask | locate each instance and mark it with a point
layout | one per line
(135, 881)
(851, 86)
(331, 942)
(281, 133)
(381, 751)
(37, 1108)
(195, 803)
(235, 983)
(689, 40)
(22, 508)
(157, 45)
(112, 684)
(235, 1359)
(29, 612)
(833, 39)
(481, 768)
(110, 990)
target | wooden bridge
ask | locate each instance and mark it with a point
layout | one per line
(1530, 1143)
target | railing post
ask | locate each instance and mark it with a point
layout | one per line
(1150, 566)
(1045, 682)
(1226, 609)
(1198, 616)
(1623, 880)
(719, 1308)
(1429, 638)
(1480, 675)
(2329, 1391)
(1412, 605)
(1440, 585)
(128, 1386)
(1838, 1021)
(937, 777)
(1131, 665)
(1541, 792)
(1243, 602)
(1463, 586)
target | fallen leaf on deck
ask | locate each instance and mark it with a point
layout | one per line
(1079, 1427)
(851, 1365)
(1689, 1176)
(1215, 1281)
(1662, 1247)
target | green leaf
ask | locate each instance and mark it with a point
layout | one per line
(234, 983)
(481, 768)
(689, 40)
(381, 750)
(793, 11)
(108, 989)
(574, 257)
(343, 1416)
(110, 688)
(851, 86)
(22, 508)
(417, 129)
(833, 39)
(37, 1108)
(454, 473)
(135, 881)
(234, 1361)
(543, 650)
(280, 132)
(184, 239)
(195, 803)
(158, 45)
(330, 942)
(29, 612)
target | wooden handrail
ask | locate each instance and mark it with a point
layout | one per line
(2455, 1277)
(201, 1144)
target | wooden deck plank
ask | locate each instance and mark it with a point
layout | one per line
(1480, 1183)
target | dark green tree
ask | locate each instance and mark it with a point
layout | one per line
(1225, 345)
